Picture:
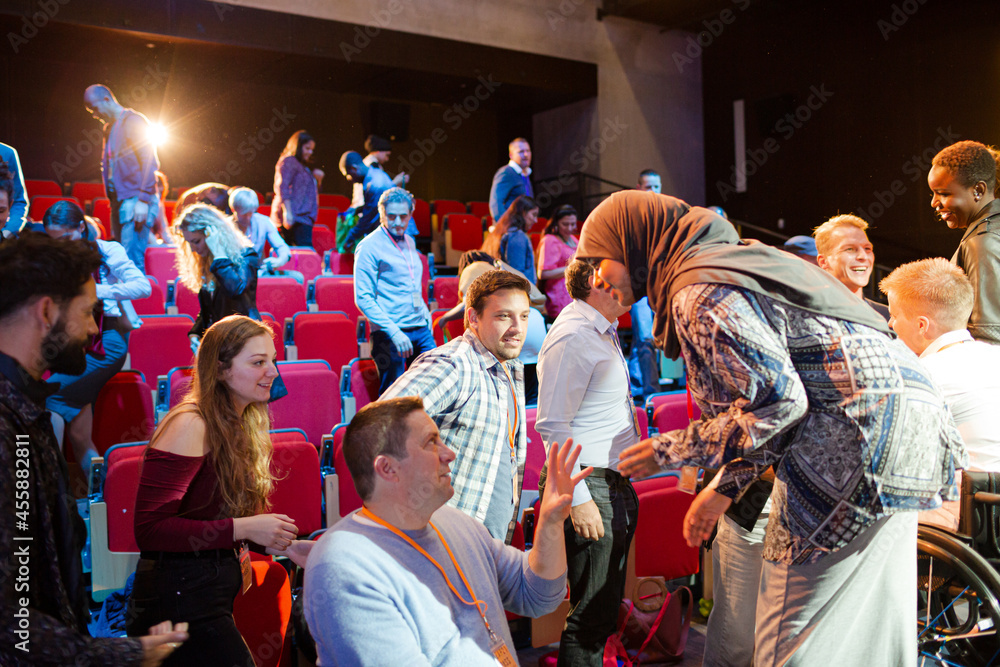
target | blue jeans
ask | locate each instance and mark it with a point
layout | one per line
(390, 365)
(125, 232)
(642, 358)
(595, 571)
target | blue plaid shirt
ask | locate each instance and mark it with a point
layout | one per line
(465, 392)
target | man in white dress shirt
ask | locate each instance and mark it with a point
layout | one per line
(929, 303)
(584, 393)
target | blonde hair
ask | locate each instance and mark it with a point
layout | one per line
(239, 444)
(192, 268)
(824, 233)
(934, 287)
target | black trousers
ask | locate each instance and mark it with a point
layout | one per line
(199, 591)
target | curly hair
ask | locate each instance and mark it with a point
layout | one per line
(970, 162)
(193, 269)
(239, 445)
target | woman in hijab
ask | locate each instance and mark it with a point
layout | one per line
(790, 372)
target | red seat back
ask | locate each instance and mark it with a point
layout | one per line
(262, 614)
(327, 217)
(121, 483)
(536, 451)
(446, 291)
(161, 262)
(278, 335)
(123, 411)
(313, 400)
(154, 304)
(330, 336)
(443, 207)
(87, 192)
(36, 188)
(282, 297)
(306, 261)
(185, 300)
(466, 231)
(323, 239)
(349, 498)
(341, 264)
(422, 217)
(161, 343)
(480, 209)
(101, 209)
(364, 382)
(288, 435)
(660, 549)
(178, 384)
(297, 487)
(455, 328)
(39, 205)
(339, 202)
(670, 412)
(337, 293)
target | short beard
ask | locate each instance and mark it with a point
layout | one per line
(62, 353)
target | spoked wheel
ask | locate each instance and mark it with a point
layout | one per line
(958, 603)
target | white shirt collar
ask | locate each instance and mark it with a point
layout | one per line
(956, 336)
(516, 167)
(593, 316)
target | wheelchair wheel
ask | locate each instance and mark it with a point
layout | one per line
(958, 603)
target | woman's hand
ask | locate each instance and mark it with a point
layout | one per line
(161, 642)
(214, 243)
(638, 460)
(702, 516)
(274, 531)
(298, 551)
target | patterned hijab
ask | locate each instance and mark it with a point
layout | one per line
(667, 244)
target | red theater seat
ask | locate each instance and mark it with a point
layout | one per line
(453, 329)
(185, 301)
(298, 485)
(154, 304)
(306, 261)
(660, 549)
(282, 297)
(463, 232)
(161, 261)
(323, 239)
(670, 411)
(123, 411)
(327, 217)
(39, 205)
(36, 188)
(101, 209)
(349, 498)
(330, 336)
(339, 202)
(442, 207)
(336, 293)
(480, 209)
(445, 289)
(313, 400)
(87, 192)
(263, 613)
(422, 217)
(161, 343)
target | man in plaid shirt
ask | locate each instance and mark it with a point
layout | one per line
(473, 389)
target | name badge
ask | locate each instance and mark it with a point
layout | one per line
(689, 479)
(501, 652)
(245, 567)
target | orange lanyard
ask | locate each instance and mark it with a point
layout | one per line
(478, 604)
(512, 428)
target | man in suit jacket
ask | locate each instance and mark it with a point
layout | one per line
(513, 179)
(18, 202)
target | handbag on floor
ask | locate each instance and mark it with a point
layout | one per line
(653, 631)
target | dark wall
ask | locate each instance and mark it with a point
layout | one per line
(230, 105)
(889, 84)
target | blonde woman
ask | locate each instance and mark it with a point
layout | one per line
(203, 497)
(216, 260)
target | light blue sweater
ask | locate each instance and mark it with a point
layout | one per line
(371, 599)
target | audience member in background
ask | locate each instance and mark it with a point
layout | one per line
(368, 594)
(584, 394)
(649, 181)
(212, 194)
(373, 182)
(844, 251)
(379, 151)
(158, 230)
(17, 199)
(473, 388)
(218, 262)
(803, 247)
(296, 192)
(118, 282)
(930, 302)
(535, 335)
(388, 285)
(261, 232)
(46, 322)
(6, 197)
(507, 240)
(512, 180)
(963, 182)
(843, 532)
(204, 495)
(128, 165)
(554, 252)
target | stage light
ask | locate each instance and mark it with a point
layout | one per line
(157, 134)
